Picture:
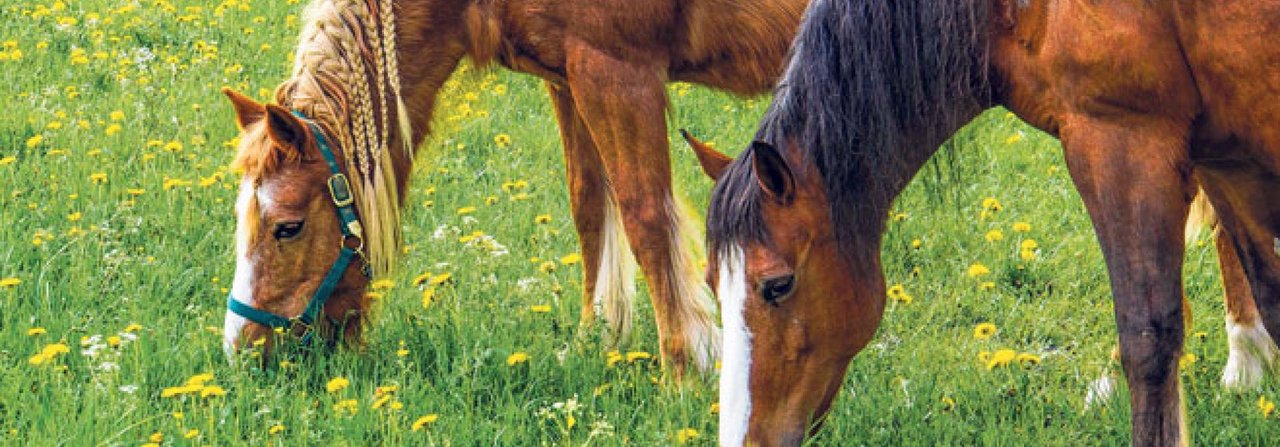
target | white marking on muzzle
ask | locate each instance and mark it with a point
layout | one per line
(735, 371)
(242, 283)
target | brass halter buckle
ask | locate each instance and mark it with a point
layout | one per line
(297, 328)
(340, 190)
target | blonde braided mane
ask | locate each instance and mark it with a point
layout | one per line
(346, 78)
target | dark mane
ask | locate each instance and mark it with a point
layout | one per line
(871, 89)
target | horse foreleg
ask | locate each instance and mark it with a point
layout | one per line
(608, 282)
(622, 103)
(1133, 182)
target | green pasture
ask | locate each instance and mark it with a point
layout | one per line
(116, 254)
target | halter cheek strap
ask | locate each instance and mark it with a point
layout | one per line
(340, 193)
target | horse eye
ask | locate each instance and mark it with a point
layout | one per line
(777, 289)
(287, 230)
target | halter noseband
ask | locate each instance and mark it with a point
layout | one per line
(340, 192)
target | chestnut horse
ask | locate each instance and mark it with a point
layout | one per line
(1149, 100)
(366, 77)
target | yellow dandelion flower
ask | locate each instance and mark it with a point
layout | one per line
(348, 407)
(547, 267)
(5, 161)
(1187, 360)
(633, 356)
(1027, 359)
(977, 269)
(540, 308)
(685, 435)
(275, 429)
(994, 236)
(428, 297)
(36, 332)
(133, 327)
(156, 437)
(502, 140)
(916, 243)
(948, 403)
(136, 191)
(98, 178)
(984, 331)
(10, 282)
(112, 129)
(1028, 255)
(715, 408)
(542, 219)
(113, 341)
(1001, 358)
(441, 279)
(34, 141)
(1267, 407)
(191, 434)
(572, 258)
(424, 421)
(517, 358)
(382, 284)
(612, 358)
(212, 391)
(1021, 227)
(418, 280)
(200, 379)
(991, 204)
(402, 352)
(987, 285)
(117, 115)
(1029, 244)
(337, 384)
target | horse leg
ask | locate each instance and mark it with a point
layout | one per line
(608, 280)
(1251, 351)
(622, 103)
(1133, 182)
(1242, 194)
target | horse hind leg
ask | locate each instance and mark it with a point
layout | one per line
(608, 266)
(1251, 351)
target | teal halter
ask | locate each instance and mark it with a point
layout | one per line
(340, 192)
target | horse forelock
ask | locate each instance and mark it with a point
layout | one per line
(734, 218)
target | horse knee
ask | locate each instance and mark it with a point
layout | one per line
(1149, 353)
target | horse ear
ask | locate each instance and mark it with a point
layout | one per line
(712, 161)
(772, 172)
(248, 111)
(285, 129)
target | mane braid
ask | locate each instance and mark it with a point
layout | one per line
(346, 78)
(871, 89)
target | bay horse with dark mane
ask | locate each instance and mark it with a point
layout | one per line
(1151, 101)
(361, 96)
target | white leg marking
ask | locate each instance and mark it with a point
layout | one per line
(242, 283)
(735, 372)
(696, 308)
(615, 291)
(1252, 353)
(1101, 390)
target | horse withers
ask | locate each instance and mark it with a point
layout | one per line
(1150, 100)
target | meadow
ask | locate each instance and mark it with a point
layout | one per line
(116, 251)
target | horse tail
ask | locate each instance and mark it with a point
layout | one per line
(615, 289)
(1202, 217)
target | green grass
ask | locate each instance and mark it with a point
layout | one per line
(147, 247)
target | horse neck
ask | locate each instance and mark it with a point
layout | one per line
(431, 42)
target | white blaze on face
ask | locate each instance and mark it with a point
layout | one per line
(242, 283)
(735, 369)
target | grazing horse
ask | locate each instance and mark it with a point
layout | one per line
(364, 84)
(1149, 100)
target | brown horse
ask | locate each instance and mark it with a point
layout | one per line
(1149, 99)
(604, 63)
